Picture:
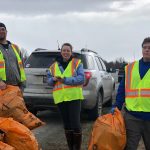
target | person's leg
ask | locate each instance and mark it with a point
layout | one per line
(146, 134)
(133, 130)
(63, 108)
(74, 112)
(64, 112)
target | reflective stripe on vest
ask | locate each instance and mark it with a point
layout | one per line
(62, 92)
(22, 72)
(130, 92)
(137, 91)
(2, 65)
(58, 86)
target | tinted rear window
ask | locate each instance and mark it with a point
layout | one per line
(45, 59)
(41, 60)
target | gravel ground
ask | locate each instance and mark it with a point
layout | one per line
(51, 136)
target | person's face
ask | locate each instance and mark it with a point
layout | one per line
(66, 52)
(146, 51)
(3, 33)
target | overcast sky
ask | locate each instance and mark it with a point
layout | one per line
(113, 28)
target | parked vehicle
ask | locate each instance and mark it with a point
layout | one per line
(98, 87)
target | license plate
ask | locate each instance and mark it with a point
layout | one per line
(44, 79)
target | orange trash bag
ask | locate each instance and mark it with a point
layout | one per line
(17, 135)
(108, 132)
(12, 105)
(4, 146)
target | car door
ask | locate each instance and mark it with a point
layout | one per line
(107, 79)
(104, 76)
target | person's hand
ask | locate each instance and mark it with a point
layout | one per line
(112, 110)
(2, 85)
(55, 79)
(60, 79)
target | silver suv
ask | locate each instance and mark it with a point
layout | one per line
(98, 87)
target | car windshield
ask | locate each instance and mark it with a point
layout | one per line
(46, 59)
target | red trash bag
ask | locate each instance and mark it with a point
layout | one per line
(108, 133)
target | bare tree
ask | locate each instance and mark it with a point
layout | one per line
(24, 53)
(113, 65)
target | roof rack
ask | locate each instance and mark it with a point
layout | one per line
(40, 49)
(88, 50)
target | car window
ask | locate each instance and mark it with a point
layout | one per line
(87, 60)
(99, 63)
(45, 60)
(103, 65)
(41, 60)
(90, 62)
(82, 57)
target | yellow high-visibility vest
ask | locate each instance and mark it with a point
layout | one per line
(3, 69)
(62, 92)
(137, 97)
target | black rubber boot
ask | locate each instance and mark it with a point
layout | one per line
(77, 140)
(69, 137)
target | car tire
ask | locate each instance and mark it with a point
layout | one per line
(97, 110)
(109, 103)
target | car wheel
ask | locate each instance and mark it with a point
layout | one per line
(97, 110)
(109, 103)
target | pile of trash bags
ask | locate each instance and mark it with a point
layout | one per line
(16, 122)
(16, 135)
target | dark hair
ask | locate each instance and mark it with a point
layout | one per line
(2, 25)
(67, 44)
(146, 40)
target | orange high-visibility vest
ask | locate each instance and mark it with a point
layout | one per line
(137, 90)
(62, 92)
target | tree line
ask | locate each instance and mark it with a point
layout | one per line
(117, 64)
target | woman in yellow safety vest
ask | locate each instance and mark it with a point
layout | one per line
(67, 77)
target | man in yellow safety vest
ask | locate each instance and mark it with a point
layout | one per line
(11, 64)
(134, 91)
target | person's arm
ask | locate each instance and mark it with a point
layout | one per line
(50, 79)
(78, 79)
(120, 97)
